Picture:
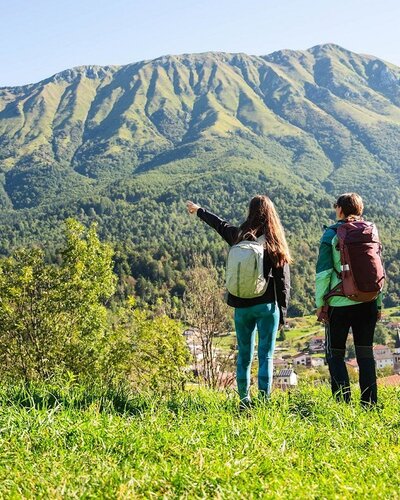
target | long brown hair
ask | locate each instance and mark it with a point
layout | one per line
(264, 220)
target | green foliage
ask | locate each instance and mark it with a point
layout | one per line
(55, 323)
(69, 442)
(53, 317)
(146, 351)
(382, 334)
(300, 126)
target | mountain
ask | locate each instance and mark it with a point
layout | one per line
(125, 145)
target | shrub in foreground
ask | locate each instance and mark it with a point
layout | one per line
(55, 323)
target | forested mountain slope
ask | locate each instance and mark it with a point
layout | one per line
(126, 145)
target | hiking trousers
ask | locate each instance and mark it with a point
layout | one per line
(264, 318)
(362, 320)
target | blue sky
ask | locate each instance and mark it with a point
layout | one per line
(41, 37)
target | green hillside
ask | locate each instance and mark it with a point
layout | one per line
(127, 145)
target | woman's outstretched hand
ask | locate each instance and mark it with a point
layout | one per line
(192, 207)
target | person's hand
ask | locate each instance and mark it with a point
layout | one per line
(322, 315)
(192, 207)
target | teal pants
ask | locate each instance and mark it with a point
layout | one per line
(266, 318)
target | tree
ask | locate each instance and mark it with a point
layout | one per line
(53, 318)
(381, 335)
(148, 351)
(207, 313)
(30, 315)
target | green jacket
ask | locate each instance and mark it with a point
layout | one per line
(328, 267)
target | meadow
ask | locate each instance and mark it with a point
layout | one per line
(75, 443)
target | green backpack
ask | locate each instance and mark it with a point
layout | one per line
(245, 269)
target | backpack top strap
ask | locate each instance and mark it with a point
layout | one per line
(261, 239)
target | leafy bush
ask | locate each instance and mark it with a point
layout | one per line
(52, 317)
(54, 321)
(147, 351)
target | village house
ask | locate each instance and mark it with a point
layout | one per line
(286, 379)
(300, 359)
(383, 356)
(317, 344)
(396, 361)
(305, 359)
(393, 326)
(392, 380)
(281, 364)
(396, 353)
(352, 363)
(317, 361)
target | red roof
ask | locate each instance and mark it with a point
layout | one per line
(391, 380)
(380, 346)
(352, 363)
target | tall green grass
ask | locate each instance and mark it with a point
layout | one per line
(108, 444)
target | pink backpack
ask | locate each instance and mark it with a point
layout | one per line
(362, 272)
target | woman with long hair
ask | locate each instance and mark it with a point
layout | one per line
(264, 312)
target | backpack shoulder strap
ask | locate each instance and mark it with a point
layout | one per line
(261, 239)
(337, 290)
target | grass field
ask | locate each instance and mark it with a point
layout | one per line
(72, 444)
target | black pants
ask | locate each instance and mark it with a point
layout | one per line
(362, 320)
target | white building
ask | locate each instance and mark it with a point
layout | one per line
(316, 361)
(305, 359)
(286, 379)
(396, 353)
(300, 359)
(281, 364)
(383, 356)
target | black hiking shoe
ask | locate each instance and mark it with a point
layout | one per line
(245, 405)
(372, 405)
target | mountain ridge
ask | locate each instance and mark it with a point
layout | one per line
(329, 45)
(132, 113)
